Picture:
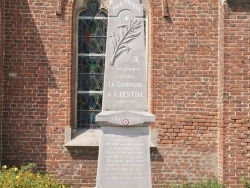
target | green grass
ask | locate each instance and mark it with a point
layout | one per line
(208, 184)
(246, 182)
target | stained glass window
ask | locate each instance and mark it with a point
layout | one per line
(92, 29)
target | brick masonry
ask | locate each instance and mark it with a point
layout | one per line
(220, 88)
(37, 82)
(199, 90)
(236, 142)
(1, 74)
(184, 94)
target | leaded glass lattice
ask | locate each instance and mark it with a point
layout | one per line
(92, 30)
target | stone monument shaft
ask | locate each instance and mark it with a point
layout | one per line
(124, 156)
(125, 100)
(125, 68)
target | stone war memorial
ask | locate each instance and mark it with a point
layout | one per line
(126, 93)
(124, 156)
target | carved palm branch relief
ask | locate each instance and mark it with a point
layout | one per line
(120, 41)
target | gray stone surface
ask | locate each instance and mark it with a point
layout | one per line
(124, 160)
(90, 138)
(125, 100)
(124, 152)
(125, 118)
(84, 138)
(125, 82)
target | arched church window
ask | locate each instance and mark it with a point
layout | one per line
(92, 30)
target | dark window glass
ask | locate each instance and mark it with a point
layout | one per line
(92, 31)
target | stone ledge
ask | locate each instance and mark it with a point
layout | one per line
(87, 138)
(132, 118)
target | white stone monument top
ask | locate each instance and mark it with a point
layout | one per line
(125, 81)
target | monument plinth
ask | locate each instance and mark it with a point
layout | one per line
(124, 156)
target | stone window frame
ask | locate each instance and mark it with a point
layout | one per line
(75, 137)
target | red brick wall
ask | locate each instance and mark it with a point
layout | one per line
(37, 82)
(221, 88)
(236, 92)
(1, 74)
(184, 91)
(37, 103)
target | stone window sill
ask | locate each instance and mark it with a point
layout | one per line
(90, 138)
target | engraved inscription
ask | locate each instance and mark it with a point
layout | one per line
(125, 84)
(126, 79)
(124, 159)
(129, 119)
(128, 2)
(128, 94)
